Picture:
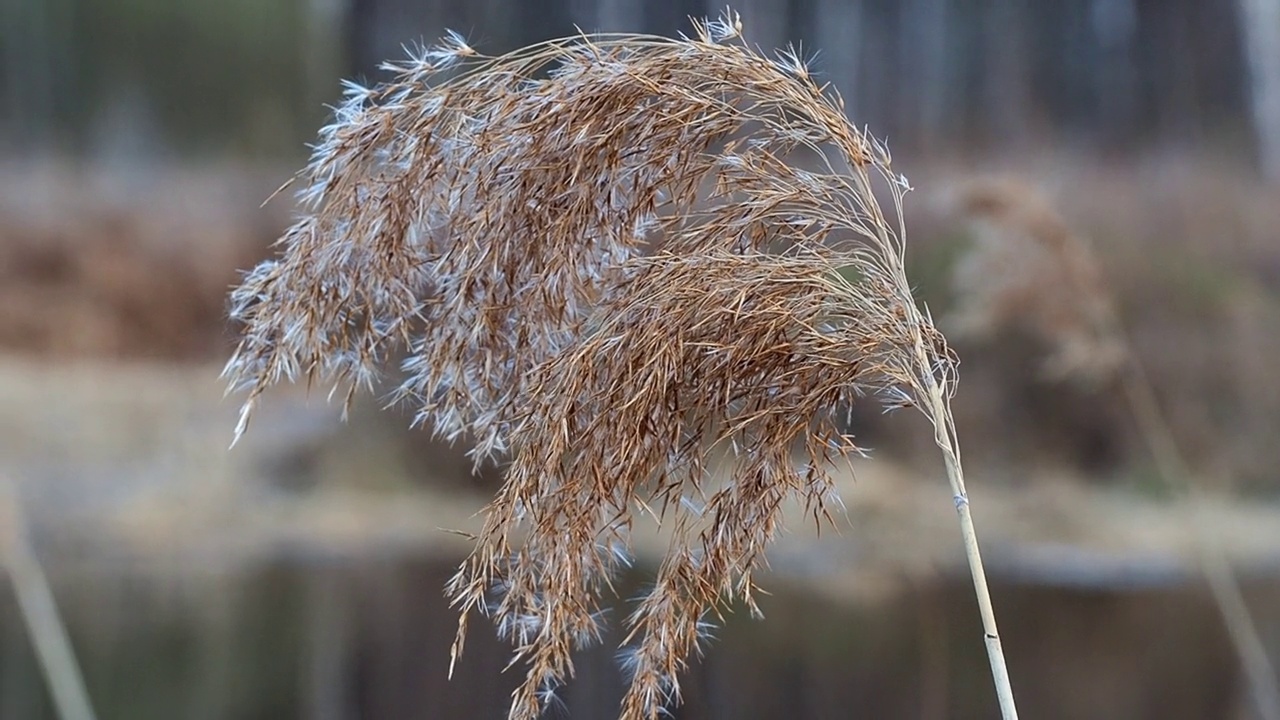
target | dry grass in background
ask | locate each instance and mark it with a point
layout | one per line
(100, 264)
(1028, 268)
(500, 224)
(1190, 247)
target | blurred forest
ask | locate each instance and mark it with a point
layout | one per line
(937, 76)
(301, 574)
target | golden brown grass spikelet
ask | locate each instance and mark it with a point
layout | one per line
(474, 219)
(617, 261)
(1027, 269)
(693, 356)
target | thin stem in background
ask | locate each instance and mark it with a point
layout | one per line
(1222, 581)
(40, 613)
(1056, 283)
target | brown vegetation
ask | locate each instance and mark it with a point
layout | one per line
(1026, 268)
(1026, 265)
(607, 260)
(86, 273)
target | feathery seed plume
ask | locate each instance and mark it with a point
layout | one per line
(622, 262)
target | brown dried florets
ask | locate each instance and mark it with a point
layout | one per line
(622, 263)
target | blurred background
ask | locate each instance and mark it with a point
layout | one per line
(300, 574)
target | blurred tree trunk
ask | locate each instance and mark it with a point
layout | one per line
(361, 55)
(543, 20)
(928, 74)
(1261, 29)
(836, 30)
(1008, 86)
(380, 29)
(612, 15)
(1173, 68)
(36, 46)
(877, 82)
(1115, 28)
(923, 51)
(321, 50)
(767, 23)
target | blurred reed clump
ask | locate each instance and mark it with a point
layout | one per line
(1028, 268)
(1180, 249)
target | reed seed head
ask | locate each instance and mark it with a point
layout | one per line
(650, 273)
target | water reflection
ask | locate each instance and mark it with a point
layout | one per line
(369, 638)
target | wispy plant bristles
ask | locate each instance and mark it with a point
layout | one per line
(743, 356)
(649, 272)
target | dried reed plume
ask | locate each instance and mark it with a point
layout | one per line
(622, 262)
(1028, 268)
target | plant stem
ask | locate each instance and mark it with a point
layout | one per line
(40, 613)
(1222, 582)
(944, 435)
